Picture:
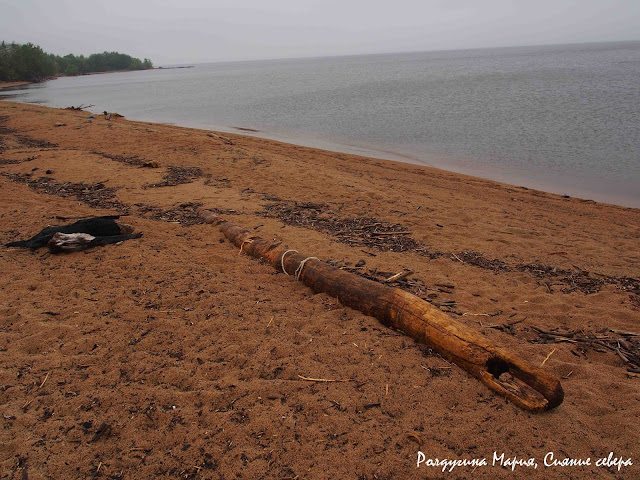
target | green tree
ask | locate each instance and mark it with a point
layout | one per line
(29, 62)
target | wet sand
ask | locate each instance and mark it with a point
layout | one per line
(13, 84)
(174, 356)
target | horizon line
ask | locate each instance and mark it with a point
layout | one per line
(206, 62)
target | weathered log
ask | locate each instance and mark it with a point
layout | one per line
(527, 386)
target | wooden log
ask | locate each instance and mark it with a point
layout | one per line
(527, 386)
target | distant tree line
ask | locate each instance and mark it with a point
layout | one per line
(28, 62)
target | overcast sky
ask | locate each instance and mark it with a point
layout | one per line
(190, 31)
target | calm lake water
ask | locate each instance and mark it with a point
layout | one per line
(561, 118)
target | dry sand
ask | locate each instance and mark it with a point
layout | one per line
(173, 356)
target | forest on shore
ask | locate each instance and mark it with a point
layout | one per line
(28, 62)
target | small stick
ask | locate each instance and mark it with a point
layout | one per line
(545, 360)
(622, 332)
(325, 380)
(511, 324)
(622, 355)
(555, 334)
(399, 276)
(44, 381)
(457, 258)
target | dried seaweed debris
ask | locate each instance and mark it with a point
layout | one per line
(12, 161)
(133, 161)
(34, 142)
(356, 231)
(93, 194)
(177, 175)
(386, 236)
(186, 214)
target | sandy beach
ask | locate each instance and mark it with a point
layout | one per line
(174, 356)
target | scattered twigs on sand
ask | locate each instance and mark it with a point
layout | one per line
(386, 236)
(401, 280)
(357, 231)
(129, 160)
(624, 344)
(508, 327)
(186, 214)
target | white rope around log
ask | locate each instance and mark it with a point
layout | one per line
(282, 260)
(241, 246)
(301, 266)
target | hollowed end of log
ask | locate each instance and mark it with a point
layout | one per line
(497, 366)
(531, 389)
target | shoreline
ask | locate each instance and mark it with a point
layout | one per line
(439, 161)
(20, 83)
(462, 165)
(174, 353)
(14, 84)
(468, 166)
(587, 184)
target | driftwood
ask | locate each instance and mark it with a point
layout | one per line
(79, 108)
(527, 386)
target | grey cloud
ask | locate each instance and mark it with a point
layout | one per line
(200, 31)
